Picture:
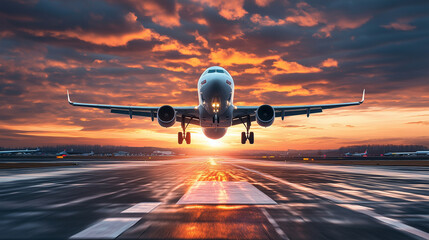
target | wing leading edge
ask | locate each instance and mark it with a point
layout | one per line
(284, 111)
(182, 112)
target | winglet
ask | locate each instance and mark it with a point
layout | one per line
(68, 97)
(363, 96)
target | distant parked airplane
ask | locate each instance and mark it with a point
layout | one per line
(20, 151)
(72, 153)
(416, 153)
(216, 111)
(364, 154)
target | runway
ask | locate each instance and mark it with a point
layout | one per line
(214, 198)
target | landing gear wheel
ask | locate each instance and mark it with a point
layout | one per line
(246, 135)
(180, 137)
(251, 138)
(243, 138)
(185, 135)
(188, 138)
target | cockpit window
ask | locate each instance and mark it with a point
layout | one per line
(217, 71)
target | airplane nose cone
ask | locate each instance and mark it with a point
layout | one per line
(216, 92)
(216, 83)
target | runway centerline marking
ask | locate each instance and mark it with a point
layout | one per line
(215, 192)
(275, 224)
(397, 224)
(109, 228)
(144, 207)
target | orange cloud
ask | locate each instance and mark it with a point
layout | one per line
(201, 39)
(284, 67)
(229, 9)
(174, 45)
(266, 20)
(201, 21)
(228, 57)
(111, 40)
(342, 23)
(305, 15)
(263, 3)
(131, 17)
(330, 62)
(158, 14)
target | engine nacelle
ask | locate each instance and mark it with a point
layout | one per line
(265, 115)
(166, 116)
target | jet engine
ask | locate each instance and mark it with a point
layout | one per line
(265, 115)
(166, 116)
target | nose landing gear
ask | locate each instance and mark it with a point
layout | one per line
(184, 135)
(247, 135)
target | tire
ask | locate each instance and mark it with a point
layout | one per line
(180, 138)
(251, 138)
(188, 138)
(243, 138)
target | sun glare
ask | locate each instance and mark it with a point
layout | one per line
(212, 161)
(214, 143)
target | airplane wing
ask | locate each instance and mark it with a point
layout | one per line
(283, 111)
(188, 113)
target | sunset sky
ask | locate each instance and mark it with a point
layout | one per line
(134, 52)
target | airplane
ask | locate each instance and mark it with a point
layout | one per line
(73, 153)
(20, 151)
(216, 111)
(416, 153)
(364, 154)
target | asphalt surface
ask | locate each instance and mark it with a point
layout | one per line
(214, 198)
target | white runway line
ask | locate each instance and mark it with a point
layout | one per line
(386, 220)
(366, 170)
(214, 192)
(275, 225)
(109, 228)
(144, 207)
(361, 209)
(294, 185)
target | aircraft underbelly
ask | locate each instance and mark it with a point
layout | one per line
(208, 120)
(214, 133)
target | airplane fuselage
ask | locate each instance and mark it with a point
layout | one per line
(215, 95)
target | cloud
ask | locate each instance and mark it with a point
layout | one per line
(263, 3)
(266, 20)
(165, 13)
(330, 62)
(285, 67)
(401, 24)
(229, 9)
(304, 15)
(419, 122)
(230, 56)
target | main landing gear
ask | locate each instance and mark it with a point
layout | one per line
(184, 135)
(247, 135)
